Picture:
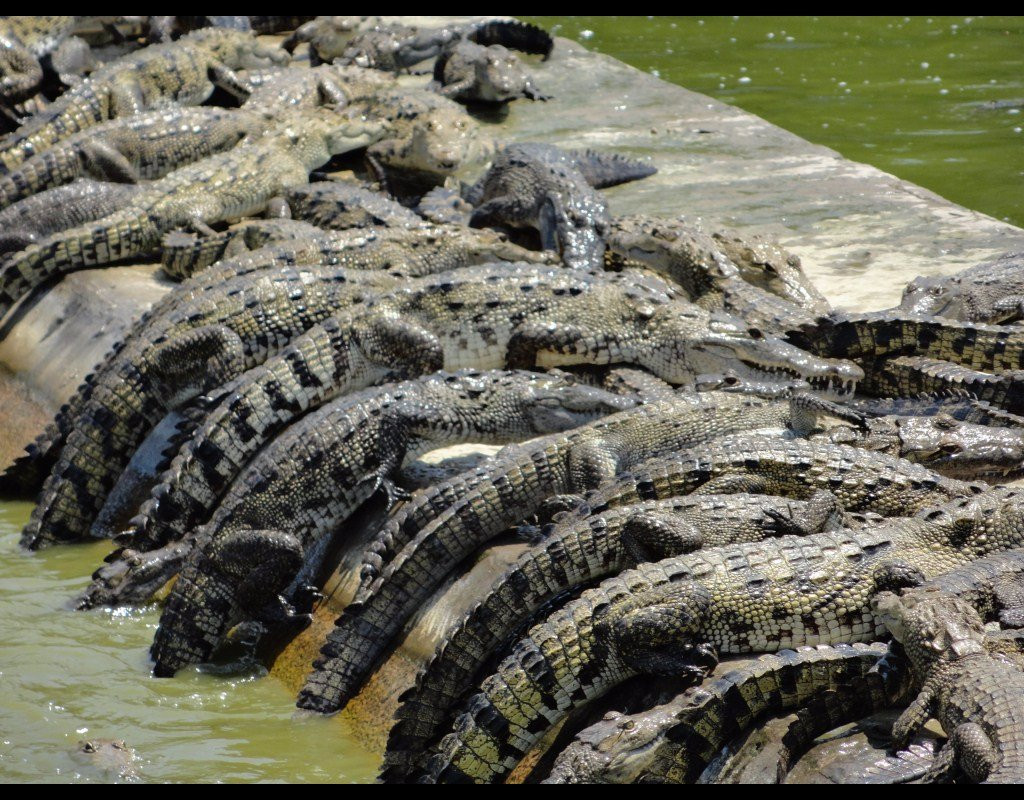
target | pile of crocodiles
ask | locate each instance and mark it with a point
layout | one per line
(701, 459)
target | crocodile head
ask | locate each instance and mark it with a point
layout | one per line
(483, 246)
(499, 74)
(688, 341)
(442, 141)
(557, 402)
(238, 49)
(957, 449)
(931, 626)
(574, 226)
(991, 293)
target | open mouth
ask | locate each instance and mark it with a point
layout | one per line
(832, 386)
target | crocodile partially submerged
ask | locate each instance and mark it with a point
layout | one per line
(222, 187)
(288, 506)
(552, 191)
(671, 616)
(227, 319)
(471, 73)
(183, 72)
(991, 292)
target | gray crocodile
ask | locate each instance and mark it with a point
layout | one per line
(221, 187)
(340, 205)
(227, 319)
(974, 694)
(471, 73)
(674, 742)
(670, 617)
(144, 146)
(287, 507)
(183, 72)
(56, 210)
(328, 84)
(477, 507)
(552, 191)
(992, 292)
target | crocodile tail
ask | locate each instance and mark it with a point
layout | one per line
(515, 35)
(602, 170)
(183, 254)
(118, 236)
(50, 168)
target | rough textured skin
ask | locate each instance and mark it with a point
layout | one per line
(338, 205)
(569, 556)
(24, 40)
(145, 146)
(225, 321)
(328, 84)
(910, 376)
(58, 209)
(515, 488)
(312, 478)
(182, 72)
(471, 73)
(674, 742)
(669, 617)
(720, 270)
(992, 293)
(974, 695)
(222, 187)
(396, 48)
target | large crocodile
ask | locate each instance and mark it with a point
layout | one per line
(144, 146)
(671, 616)
(471, 73)
(477, 507)
(227, 319)
(552, 191)
(674, 742)
(287, 507)
(184, 72)
(974, 694)
(221, 187)
(992, 292)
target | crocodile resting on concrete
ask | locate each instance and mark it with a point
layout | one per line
(286, 508)
(225, 186)
(227, 319)
(552, 191)
(991, 293)
(183, 72)
(623, 529)
(671, 616)
(472, 73)
(974, 694)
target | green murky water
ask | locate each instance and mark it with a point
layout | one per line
(935, 100)
(926, 100)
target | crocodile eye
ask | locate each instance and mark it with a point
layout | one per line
(755, 333)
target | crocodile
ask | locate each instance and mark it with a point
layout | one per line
(286, 506)
(674, 742)
(339, 205)
(992, 293)
(227, 319)
(145, 146)
(24, 42)
(328, 84)
(221, 187)
(55, 210)
(552, 191)
(183, 72)
(704, 264)
(974, 695)
(477, 507)
(961, 406)
(570, 556)
(471, 73)
(397, 48)
(669, 617)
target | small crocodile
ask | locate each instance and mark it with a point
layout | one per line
(285, 508)
(145, 146)
(974, 694)
(56, 210)
(396, 48)
(669, 617)
(227, 319)
(551, 191)
(221, 187)
(992, 292)
(328, 84)
(674, 742)
(472, 73)
(514, 488)
(183, 72)
(570, 556)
